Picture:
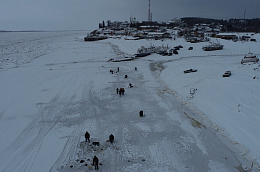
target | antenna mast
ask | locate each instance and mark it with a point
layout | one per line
(149, 12)
(245, 15)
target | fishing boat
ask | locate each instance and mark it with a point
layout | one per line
(145, 51)
(94, 38)
(250, 57)
(213, 46)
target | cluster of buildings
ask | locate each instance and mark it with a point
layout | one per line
(196, 32)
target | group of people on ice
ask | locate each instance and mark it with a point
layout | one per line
(112, 72)
(95, 159)
(121, 91)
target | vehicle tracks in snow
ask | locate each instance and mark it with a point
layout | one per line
(24, 145)
(22, 153)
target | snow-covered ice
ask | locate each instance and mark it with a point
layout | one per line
(55, 87)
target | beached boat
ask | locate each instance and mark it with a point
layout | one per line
(131, 38)
(142, 54)
(145, 51)
(94, 38)
(250, 57)
(190, 70)
(212, 47)
(122, 59)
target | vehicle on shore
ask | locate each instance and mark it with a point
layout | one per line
(227, 74)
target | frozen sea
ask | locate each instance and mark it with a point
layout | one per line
(55, 87)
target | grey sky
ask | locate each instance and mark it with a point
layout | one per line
(86, 14)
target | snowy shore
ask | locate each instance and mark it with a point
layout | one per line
(55, 88)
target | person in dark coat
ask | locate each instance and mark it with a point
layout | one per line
(117, 89)
(87, 136)
(95, 162)
(141, 113)
(122, 91)
(111, 138)
(118, 69)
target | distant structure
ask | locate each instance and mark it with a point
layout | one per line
(245, 15)
(149, 12)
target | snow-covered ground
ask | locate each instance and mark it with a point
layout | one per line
(55, 87)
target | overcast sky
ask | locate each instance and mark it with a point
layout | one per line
(86, 14)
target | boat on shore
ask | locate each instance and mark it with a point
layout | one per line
(213, 46)
(145, 51)
(94, 38)
(142, 54)
(250, 57)
(122, 59)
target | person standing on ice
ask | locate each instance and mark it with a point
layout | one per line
(111, 138)
(141, 113)
(118, 69)
(87, 136)
(117, 89)
(95, 162)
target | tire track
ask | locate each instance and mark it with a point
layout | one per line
(19, 150)
(27, 132)
(92, 107)
(70, 149)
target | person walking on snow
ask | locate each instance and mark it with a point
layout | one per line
(117, 89)
(87, 136)
(95, 162)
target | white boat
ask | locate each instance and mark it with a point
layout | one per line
(250, 57)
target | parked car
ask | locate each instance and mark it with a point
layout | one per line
(190, 70)
(227, 74)
(175, 52)
(177, 48)
(190, 48)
